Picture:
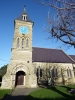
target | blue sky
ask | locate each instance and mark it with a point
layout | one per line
(10, 10)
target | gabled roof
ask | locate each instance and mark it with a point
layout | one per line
(72, 56)
(50, 55)
(21, 16)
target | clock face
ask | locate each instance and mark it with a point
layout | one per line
(23, 29)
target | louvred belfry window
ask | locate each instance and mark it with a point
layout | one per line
(24, 17)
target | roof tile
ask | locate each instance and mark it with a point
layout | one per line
(21, 16)
(49, 55)
(72, 56)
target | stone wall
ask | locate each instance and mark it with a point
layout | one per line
(62, 78)
(9, 78)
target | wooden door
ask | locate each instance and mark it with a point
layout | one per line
(20, 78)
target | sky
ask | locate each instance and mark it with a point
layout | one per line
(9, 11)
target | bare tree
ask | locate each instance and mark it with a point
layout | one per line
(62, 27)
(51, 73)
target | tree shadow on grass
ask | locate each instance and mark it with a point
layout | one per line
(68, 88)
(66, 95)
(33, 98)
(9, 97)
(29, 97)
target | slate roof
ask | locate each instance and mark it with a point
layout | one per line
(50, 55)
(72, 56)
(24, 13)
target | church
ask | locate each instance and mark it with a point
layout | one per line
(32, 65)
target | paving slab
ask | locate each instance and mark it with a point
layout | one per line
(19, 93)
(23, 91)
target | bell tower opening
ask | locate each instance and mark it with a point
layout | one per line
(20, 78)
(24, 17)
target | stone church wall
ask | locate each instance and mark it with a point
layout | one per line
(62, 78)
(9, 78)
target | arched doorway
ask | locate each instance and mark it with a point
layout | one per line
(20, 78)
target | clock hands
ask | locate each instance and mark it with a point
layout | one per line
(23, 29)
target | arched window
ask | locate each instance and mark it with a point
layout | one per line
(18, 42)
(74, 74)
(22, 43)
(37, 72)
(27, 43)
(52, 73)
(56, 73)
(24, 17)
(40, 72)
(69, 74)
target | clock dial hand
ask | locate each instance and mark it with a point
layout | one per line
(23, 29)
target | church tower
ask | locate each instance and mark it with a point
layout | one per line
(22, 44)
(21, 71)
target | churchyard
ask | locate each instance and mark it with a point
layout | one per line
(48, 93)
(52, 93)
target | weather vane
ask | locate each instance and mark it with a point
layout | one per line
(25, 7)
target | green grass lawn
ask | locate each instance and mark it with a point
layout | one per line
(4, 91)
(52, 93)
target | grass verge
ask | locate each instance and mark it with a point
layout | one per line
(52, 93)
(4, 91)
